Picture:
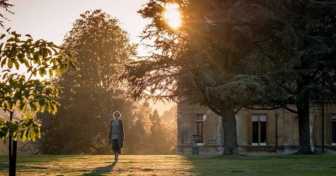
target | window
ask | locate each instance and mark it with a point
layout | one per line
(333, 128)
(199, 128)
(259, 129)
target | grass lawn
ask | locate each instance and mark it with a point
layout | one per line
(151, 165)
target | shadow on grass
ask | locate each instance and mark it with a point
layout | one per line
(30, 159)
(101, 170)
(218, 165)
(290, 165)
(3, 166)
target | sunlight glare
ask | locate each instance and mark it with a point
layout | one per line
(172, 15)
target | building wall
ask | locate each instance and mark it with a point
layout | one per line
(282, 134)
(283, 137)
(329, 114)
(186, 127)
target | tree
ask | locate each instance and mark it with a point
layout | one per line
(159, 135)
(145, 133)
(192, 62)
(27, 86)
(91, 93)
(293, 58)
(289, 59)
(228, 53)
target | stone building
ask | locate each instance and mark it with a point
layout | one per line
(257, 130)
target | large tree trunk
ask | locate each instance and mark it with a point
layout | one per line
(222, 108)
(230, 132)
(304, 127)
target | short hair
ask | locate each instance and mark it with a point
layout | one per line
(117, 114)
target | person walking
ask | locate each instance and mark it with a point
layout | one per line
(116, 134)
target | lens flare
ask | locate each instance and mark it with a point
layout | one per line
(172, 15)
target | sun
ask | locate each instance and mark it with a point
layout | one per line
(172, 15)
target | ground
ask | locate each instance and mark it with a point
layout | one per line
(172, 165)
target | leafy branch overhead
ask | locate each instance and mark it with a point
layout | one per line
(5, 5)
(29, 69)
(36, 58)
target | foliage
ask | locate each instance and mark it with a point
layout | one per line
(241, 53)
(91, 92)
(26, 129)
(298, 54)
(225, 42)
(194, 63)
(156, 75)
(4, 4)
(149, 133)
(161, 135)
(28, 68)
(293, 59)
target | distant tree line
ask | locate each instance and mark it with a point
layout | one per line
(149, 133)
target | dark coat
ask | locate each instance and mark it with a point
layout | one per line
(121, 137)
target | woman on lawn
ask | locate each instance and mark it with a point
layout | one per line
(116, 134)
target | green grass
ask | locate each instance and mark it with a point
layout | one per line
(160, 165)
(294, 165)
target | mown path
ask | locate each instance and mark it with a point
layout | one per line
(173, 165)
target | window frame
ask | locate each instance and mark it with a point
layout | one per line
(333, 138)
(259, 118)
(199, 127)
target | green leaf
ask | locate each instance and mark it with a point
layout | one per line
(10, 63)
(42, 71)
(25, 95)
(17, 65)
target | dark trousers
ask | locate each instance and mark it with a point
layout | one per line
(116, 146)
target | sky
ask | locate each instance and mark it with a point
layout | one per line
(52, 19)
